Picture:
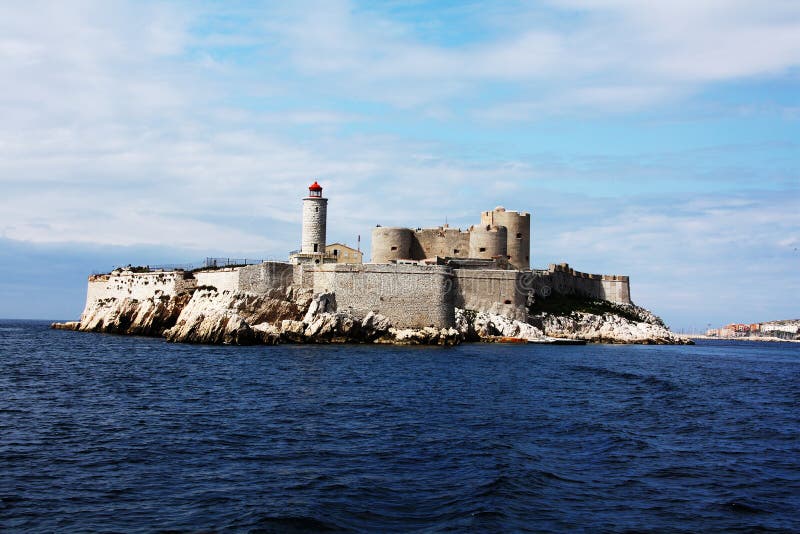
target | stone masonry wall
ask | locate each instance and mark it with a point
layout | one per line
(442, 241)
(410, 296)
(568, 281)
(265, 276)
(222, 279)
(494, 291)
(138, 286)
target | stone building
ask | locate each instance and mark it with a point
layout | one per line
(502, 235)
(345, 254)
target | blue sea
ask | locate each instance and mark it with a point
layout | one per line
(126, 434)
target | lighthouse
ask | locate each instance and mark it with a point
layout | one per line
(315, 213)
(312, 241)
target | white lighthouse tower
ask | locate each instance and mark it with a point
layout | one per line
(315, 215)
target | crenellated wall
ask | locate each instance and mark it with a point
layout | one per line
(568, 281)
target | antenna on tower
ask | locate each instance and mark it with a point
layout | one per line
(359, 242)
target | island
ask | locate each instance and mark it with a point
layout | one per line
(438, 286)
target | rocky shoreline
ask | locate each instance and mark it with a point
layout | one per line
(209, 316)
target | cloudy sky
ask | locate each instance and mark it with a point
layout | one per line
(659, 140)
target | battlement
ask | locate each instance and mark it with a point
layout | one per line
(612, 287)
(500, 233)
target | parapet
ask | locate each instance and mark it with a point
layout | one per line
(612, 287)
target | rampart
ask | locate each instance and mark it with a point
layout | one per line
(565, 280)
(139, 286)
(122, 284)
(265, 276)
(494, 291)
(410, 296)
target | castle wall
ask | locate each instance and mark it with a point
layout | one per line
(138, 286)
(410, 296)
(568, 281)
(486, 242)
(443, 242)
(494, 291)
(265, 276)
(222, 279)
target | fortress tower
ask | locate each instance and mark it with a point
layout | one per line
(518, 225)
(315, 215)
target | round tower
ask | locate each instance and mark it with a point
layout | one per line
(487, 241)
(518, 225)
(391, 244)
(315, 214)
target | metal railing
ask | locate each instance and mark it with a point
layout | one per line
(208, 263)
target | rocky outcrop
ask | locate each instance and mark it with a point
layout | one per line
(482, 326)
(607, 328)
(229, 318)
(296, 316)
(148, 317)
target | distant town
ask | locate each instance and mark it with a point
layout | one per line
(787, 330)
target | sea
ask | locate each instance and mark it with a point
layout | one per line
(105, 433)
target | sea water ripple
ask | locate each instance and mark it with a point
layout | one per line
(111, 433)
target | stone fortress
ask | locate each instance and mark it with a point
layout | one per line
(416, 278)
(503, 237)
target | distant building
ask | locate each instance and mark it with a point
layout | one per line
(345, 254)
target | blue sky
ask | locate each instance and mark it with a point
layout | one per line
(658, 141)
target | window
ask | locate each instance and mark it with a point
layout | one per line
(335, 252)
(394, 248)
(482, 249)
(455, 251)
(316, 247)
(507, 301)
(519, 235)
(316, 209)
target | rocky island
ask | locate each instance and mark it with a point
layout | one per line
(426, 286)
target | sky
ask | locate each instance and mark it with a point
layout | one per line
(658, 140)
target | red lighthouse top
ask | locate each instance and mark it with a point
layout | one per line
(315, 190)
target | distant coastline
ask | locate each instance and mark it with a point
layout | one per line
(765, 339)
(782, 330)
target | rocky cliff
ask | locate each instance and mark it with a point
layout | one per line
(208, 315)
